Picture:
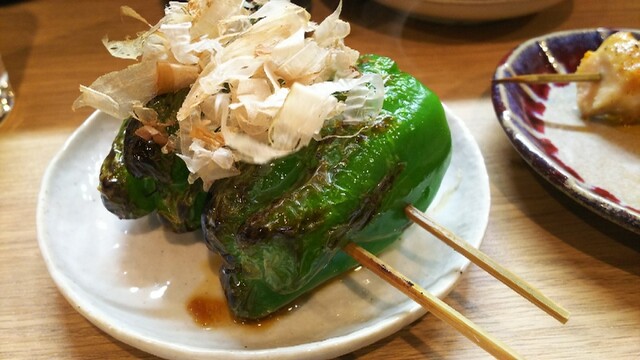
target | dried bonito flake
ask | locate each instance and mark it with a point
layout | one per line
(263, 81)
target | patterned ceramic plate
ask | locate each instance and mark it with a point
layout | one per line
(595, 163)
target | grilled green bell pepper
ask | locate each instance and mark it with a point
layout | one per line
(137, 178)
(279, 227)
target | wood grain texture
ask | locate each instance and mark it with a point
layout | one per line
(586, 264)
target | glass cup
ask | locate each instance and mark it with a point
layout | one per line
(6, 93)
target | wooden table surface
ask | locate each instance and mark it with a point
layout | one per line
(585, 263)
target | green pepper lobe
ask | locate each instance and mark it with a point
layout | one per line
(280, 226)
(137, 178)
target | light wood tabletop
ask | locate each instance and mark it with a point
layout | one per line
(585, 263)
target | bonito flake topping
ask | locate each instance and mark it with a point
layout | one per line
(262, 83)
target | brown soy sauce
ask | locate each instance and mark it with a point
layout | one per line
(208, 306)
(213, 312)
(208, 311)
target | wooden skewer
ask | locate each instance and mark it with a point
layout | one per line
(438, 307)
(434, 305)
(489, 265)
(550, 78)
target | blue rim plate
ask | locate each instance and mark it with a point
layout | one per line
(596, 164)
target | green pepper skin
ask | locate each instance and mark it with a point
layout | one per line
(123, 194)
(136, 178)
(279, 227)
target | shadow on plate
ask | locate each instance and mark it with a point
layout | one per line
(611, 230)
(608, 238)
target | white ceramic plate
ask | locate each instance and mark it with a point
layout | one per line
(133, 280)
(469, 10)
(594, 163)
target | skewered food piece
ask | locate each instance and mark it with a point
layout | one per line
(301, 144)
(279, 226)
(608, 80)
(616, 97)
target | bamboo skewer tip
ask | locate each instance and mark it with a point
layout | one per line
(489, 265)
(431, 303)
(438, 307)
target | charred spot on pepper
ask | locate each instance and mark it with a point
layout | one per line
(253, 232)
(383, 124)
(336, 236)
(117, 208)
(122, 194)
(144, 157)
(215, 245)
(249, 235)
(371, 202)
(183, 216)
(368, 209)
(229, 281)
